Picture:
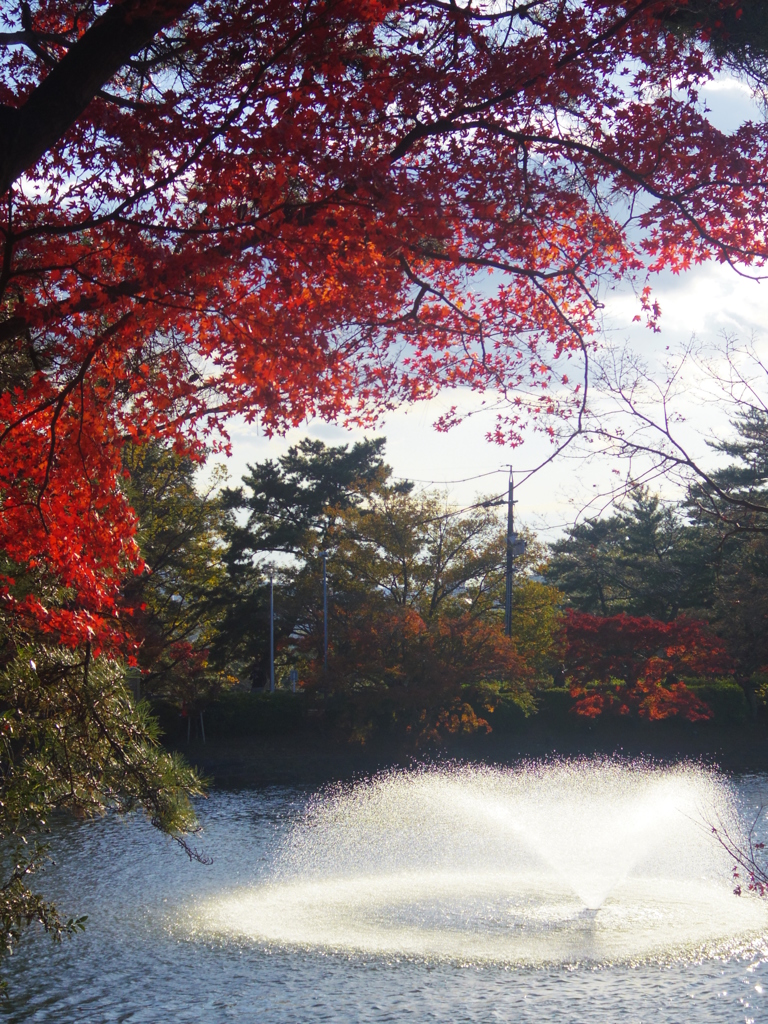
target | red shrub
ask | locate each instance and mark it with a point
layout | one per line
(623, 664)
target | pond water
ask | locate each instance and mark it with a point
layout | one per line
(573, 892)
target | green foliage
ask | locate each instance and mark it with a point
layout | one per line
(758, 688)
(408, 548)
(725, 699)
(291, 506)
(177, 603)
(749, 448)
(740, 611)
(20, 907)
(733, 498)
(72, 740)
(730, 510)
(736, 31)
(288, 501)
(255, 714)
(510, 713)
(643, 560)
(554, 705)
(537, 627)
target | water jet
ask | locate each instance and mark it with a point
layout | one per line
(556, 862)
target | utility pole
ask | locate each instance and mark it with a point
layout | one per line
(325, 613)
(515, 546)
(271, 634)
(510, 557)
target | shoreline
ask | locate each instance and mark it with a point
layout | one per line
(306, 758)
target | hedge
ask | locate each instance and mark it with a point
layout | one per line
(239, 713)
(274, 714)
(255, 714)
(552, 708)
(725, 699)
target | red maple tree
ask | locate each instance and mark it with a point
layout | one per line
(396, 671)
(634, 664)
(325, 207)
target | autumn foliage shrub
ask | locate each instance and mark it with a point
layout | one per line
(425, 679)
(621, 664)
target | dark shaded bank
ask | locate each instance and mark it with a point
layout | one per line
(260, 739)
(307, 760)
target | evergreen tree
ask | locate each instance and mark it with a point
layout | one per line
(177, 600)
(731, 508)
(288, 501)
(734, 498)
(644, 560)
(737, 34)
(290, 506)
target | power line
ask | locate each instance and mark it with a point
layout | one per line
(463, 480)
(526, 473)
(487, 503)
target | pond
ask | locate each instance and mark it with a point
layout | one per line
(576, 891)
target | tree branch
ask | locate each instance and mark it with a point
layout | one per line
(27, 132)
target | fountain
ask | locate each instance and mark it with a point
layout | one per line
(570, 861)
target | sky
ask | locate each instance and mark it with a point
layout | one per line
(703, 304)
